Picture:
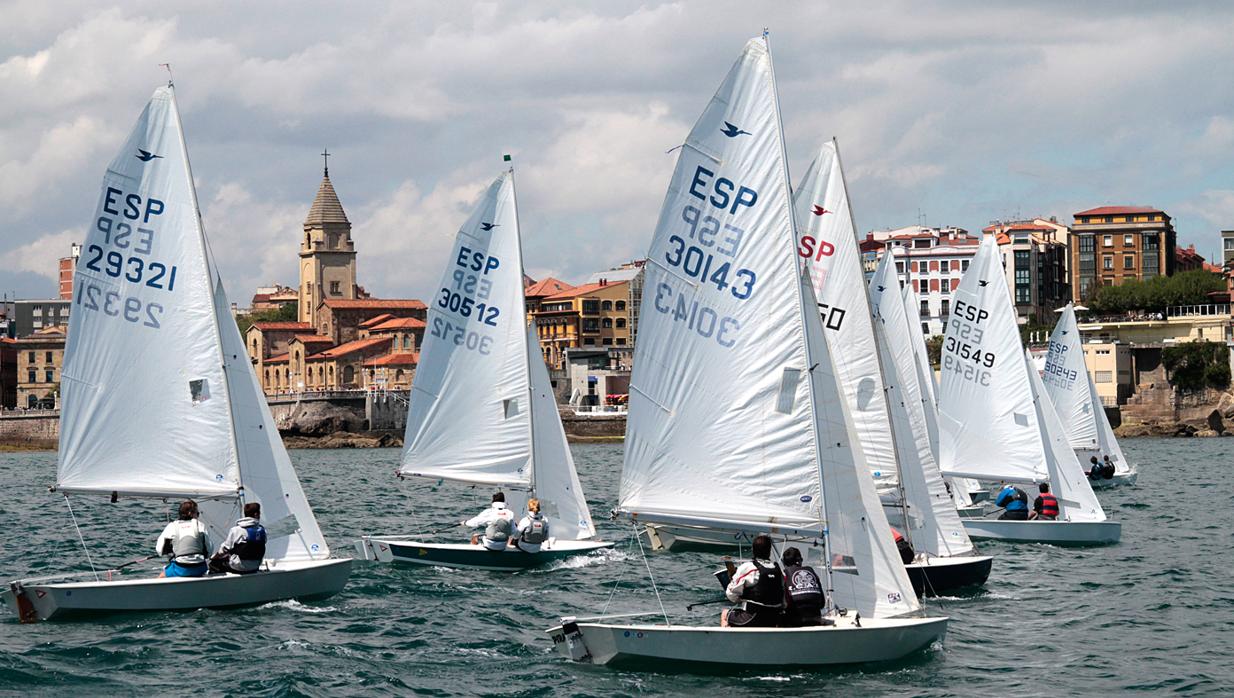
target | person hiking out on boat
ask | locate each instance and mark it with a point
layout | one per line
(906, 549)
(498, 523)
(245, 546)
(186, 542)
(532, 529)
(1045, 506)
(757, 587)
(803, 592)
(1014, 502)
(1107, 468)
(1094, 469)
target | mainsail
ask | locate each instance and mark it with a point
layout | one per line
(934, 525)
(988, 426)
(145, 400)
(482, 409)
(736, 418)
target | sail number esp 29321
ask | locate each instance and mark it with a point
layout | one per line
(705, 250)
(121, 249)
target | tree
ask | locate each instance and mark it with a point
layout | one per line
(1158, 293)
(1193, 366)
(288, 312)
(934, 349)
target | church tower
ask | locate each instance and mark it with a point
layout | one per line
(327, 255)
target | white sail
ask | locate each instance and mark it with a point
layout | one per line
(827, 241)
(556, 482)
(987, 423)
(1070, 486)
(925, 372)
(1074, 395)
(735, 410)
(145, 401)
(265, 468)
(934, 526)
(469, 417)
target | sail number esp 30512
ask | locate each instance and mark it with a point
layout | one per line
(467, 299)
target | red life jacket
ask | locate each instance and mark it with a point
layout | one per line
(1049, 506)
(896, 534)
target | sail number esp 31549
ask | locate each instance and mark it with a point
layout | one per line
(962, 353)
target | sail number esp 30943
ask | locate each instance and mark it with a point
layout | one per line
(122, 248)
(706, 250)
(466, 298)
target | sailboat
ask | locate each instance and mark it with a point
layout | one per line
(482, 410)
(1071, 390)
(160, 399)
(736, 419)
(946, 558)
(996, 423)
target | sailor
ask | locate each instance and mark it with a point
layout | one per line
(532, 529)
(906, 549)
(1094, 469)
(1107, 468)
(757, 587)
(245, 546)
(804, 592)
(186, 543)
(498, 522)
(1045, 506)
(1014, 502)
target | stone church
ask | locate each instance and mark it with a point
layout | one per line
(343, 339)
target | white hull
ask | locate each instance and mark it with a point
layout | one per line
(1053, 532)
(287, 580)
(1127, 478)
(677, 538)
(467, 556)
(976, 511)
(875, 640)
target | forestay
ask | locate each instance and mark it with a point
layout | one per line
(145, 400)
(1076, 499)
(734, 405)
(987, 424)
(934, 525)
(828, 244)
(469, 417)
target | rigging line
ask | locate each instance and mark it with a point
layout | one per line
(650, 576)
(622, 578)
(80, 538)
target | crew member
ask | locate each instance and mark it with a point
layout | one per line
(1094, 469)
(245, 546)
(532, 529)
(906, 549)
(1107, 468)
(804, 592)
(1045, 506)
(757, 587)
(1014, 502)
(498, 522)
(186, 543)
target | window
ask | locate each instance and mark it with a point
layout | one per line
(31, 358)
(591, 306)
(606, 305)
(621, 341)
(607, 323)
(621, 306)
(1229, 244)
(946, 307)
(589, 342)
(1023, 278)
(1107, 241)
(49, 360)
(945, 266)
(1107, 262)
(925, 328)
(50, 375)
(925, 308)
(621, 323)
(945, 288)
(1129, 241)
(1129, 262)
(334, 288)
(333, 240)
(1104, 377)
(964, 265)
(1150, 247)
(925, 286)
(32, 376)
(406, 341)
(608, 341)
(900, 265)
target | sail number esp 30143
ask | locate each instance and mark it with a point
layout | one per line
(121, 249)
(706, 250)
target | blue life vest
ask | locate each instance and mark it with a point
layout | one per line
(253, 547)
(1012, 499)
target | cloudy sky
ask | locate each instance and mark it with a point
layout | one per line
(962, 112)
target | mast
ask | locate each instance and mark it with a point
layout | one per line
(804, 310)
(211, 276)
(878, 356)
(522, 305)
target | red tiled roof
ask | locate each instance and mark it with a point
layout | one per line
(376, 319)
(547, 287)
(260, 297)
(871, 245)
(399, 323)
(350, 348)
(280, 359)
(583, 290)
(313, 339)
(404, 358)
(1031, 227)
(375, 303)
(267, 326)
(1116, 210)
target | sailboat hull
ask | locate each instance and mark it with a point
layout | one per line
(308, 580)
(875, 640)
(465, 556)
(1127, 478)
(941, 574)
(1069, 533)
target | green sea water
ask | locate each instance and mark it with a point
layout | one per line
(1152, 614)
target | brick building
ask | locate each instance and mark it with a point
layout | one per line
(39, 358)
(1113, 244)
(591, 315)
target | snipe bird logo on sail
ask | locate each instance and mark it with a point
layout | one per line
(982, 282)
(819, 210)
(146, 155)
(489, 226)
(732, 131)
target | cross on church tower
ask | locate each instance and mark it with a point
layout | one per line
(325, 154)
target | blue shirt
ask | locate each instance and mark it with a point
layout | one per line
(1009, 500)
